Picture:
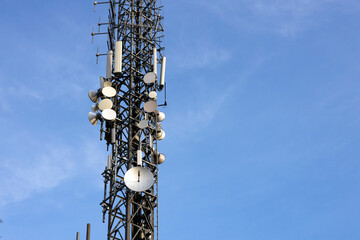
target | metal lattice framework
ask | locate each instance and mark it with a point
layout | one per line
(138, 24)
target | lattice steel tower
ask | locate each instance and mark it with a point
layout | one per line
(126, 104)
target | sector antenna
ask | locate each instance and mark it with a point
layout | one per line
(128, 106)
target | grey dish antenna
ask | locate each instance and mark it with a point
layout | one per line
(150, 78)
(143, 124)
(139, 179)
(150, 106)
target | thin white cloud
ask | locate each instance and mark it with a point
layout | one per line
(190, 119)
(95, 154)
(47, 71)
(49, 75)
(201, 55)
(58, 74)
(10, 90)
(43, 165)
(285, 17)
(32, 173)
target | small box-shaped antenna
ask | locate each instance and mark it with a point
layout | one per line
(109, 64)
(109, 162)
(118, 57)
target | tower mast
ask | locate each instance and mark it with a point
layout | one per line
(130, 119)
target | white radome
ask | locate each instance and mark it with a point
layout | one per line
(150, 78)
(108, 91)
(109, 114)
(153, 95)
(150, 106)
(143, 124)
(105, 104)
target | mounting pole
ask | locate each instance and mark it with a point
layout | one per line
(88, 231)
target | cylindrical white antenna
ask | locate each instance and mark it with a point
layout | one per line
(162, 78)
(139, 157)
(155, 60)
(118, 57)
(109, 64)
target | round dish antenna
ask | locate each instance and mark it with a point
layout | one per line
(108, 91)
(150, 78)
(153, 95)
(105, 104)
(143, 124)
(139, 179)
(150, 106)
(109, 114)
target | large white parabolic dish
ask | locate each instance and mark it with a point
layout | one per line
(139, 179)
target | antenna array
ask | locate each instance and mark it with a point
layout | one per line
(130, 119)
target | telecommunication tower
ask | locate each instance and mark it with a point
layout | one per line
(126, 105)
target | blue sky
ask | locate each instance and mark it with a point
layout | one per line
(263, 122)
